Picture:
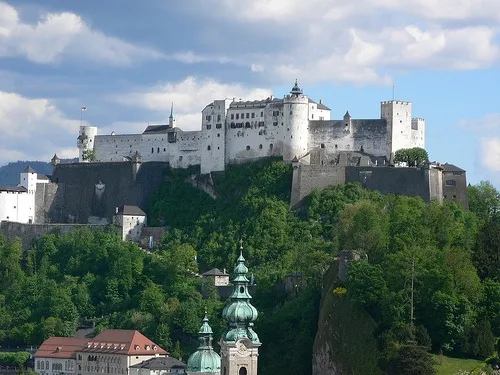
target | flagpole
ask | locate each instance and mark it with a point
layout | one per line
(393, 91)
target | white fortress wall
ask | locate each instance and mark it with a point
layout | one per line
(186, 151)
(257, 134)
(213, 142)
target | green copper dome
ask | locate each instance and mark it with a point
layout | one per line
(239, 313)
(205, 359)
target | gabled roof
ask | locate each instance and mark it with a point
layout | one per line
(451, 168)
(29, 170)
(130, 210)
(40, 176)
(319, 105)
(60, 347)
(160, 129)
(161, 363)
(215, 272)
(122, 341)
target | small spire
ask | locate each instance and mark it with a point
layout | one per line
(172, 110)
(347, 114)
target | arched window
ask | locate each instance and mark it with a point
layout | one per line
(152, 150)
(158, 150)
(248, 148)
(243, 371)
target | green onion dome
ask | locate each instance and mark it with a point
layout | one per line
(205, 359)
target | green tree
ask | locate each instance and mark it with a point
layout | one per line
(484, 201)
(411, 359)
(89, 155)
(411, 156)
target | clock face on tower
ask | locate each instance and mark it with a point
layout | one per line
(241, 347)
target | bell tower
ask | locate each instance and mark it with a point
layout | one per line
(240, 344)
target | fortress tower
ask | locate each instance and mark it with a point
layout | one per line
(85, 140)
(402, 130)
(296, 121)
(240, 344)
(213, 145)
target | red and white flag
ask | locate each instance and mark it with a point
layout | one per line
(84, 108)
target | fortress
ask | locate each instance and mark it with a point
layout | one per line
(127, 170)
(235, 131)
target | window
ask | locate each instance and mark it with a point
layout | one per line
(248, 148)
(261, 114)
(218, 117)
(322, 145)
(457, 173)
(209, 127)
(291, 113)
(248, 115)
(152, 150)
(243, 371)
(208, 147)
(47, 365)
(208, 117)
(271, 146)
(451, 183)
(253, 114)
(232, 116)
(312, 116)
(260, 147)
(275, 123)
(38, 364)
(276, 113)
(158, 150)
(218, 126)
(218, 135)
(237, 116)
(164, 150)
(247, 124)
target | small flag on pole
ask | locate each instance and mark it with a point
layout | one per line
(84, 108)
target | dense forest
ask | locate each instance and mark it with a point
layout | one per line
(431, 280)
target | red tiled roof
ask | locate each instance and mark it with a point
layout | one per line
(122, 341)
(60, 347)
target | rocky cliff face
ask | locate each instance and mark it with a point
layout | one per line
(344, 343)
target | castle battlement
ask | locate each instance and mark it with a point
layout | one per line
(236, 131)
(400, 102)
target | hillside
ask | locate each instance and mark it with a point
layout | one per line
(439, 247)
(9, 174)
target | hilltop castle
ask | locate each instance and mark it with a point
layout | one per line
(235, 131)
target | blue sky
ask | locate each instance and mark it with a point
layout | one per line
(127, 62)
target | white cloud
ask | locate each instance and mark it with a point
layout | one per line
(64, 35)
(33, 129)
(333, 40)
(490, 153)
(189, 97)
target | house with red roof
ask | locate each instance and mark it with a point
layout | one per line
(111, 352)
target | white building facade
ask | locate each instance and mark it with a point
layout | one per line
(17, 203)
(238, 131)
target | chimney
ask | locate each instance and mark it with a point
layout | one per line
(321, 101)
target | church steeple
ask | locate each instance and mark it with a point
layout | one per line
(205, 360)
(171, 119)
(240, 344)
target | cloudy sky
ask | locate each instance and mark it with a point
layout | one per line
(126, 61)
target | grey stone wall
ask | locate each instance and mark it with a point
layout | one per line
(95, 189)
(429, 184)
(29, 232)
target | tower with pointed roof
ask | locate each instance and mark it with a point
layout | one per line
(295, 123)
(204, 360)
(240, 344)
(171, 118)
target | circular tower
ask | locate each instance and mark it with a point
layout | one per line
(295, 124)
(85, 142)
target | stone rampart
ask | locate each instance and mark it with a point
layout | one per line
(29, 232)
(87, 190)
